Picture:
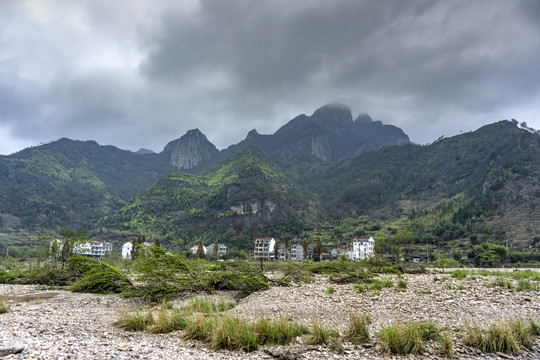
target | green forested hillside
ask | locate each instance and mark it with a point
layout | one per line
(447, 194)
(452, 194)
(242, 196)
(71, 183)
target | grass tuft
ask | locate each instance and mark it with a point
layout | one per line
(359, 288)
(505, 337)
(280, 332)
(401, 284)
(4, 308)
(136, 321)
(168, 321)
(501, 282)
(232, 333)
(321, 335)
(358, 331)
(200, 327)
(408, 338)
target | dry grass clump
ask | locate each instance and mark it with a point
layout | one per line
(358, 331)
(169, 321)
(4, 308)
(233, 333)
(136, 321)
(409, 338)
(507, 337)
(280, 332)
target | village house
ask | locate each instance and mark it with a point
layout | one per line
(127, 249)
(264, 248)
(222, 250)
(194, 249)
(363, 248)
(297, 252)
(95, 249)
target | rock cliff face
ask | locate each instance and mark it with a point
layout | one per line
(191, 150)
(329, 134)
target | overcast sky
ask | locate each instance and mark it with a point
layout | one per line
(141, 73)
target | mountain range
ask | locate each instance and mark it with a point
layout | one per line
(323, 174)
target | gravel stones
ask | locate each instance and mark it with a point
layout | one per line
(63, 325)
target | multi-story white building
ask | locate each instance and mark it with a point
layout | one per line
(264, 248)
(297, 252)
(94, 248)
(363, 248)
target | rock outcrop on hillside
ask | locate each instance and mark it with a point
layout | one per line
(191, 150)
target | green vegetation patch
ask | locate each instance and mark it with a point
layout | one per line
(102, 279)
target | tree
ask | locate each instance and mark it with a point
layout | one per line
(157, 243)
(304, 247)
(287, 246)
(442, 261)
(276, 251)
(488, 254)
(200, 250)
(65, 252)
(216, 247)
(319, 247)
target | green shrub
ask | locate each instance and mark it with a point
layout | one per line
(358, 331)
(82, 264)
(330, 290)
(359, 288)
(527, 285)
(135, 321)
(459, 274)
(102, 279)
(377, 285)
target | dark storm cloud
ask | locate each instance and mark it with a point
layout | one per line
(439, 57)
(139, 74)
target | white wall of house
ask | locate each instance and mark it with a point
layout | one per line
(297, 252)
(264, 248)
(363, 248)
(127, 248)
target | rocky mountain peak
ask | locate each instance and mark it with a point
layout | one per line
(363, 118)
(252, 134)
(333, 114)
(191, 149)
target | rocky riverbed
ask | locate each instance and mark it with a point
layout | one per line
(58, 324)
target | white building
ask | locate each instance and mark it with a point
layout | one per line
(84, 248)
(264, 248)
(297, 252)
(363, 248)
(127, 249)
(222, 250)
(194, 249)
